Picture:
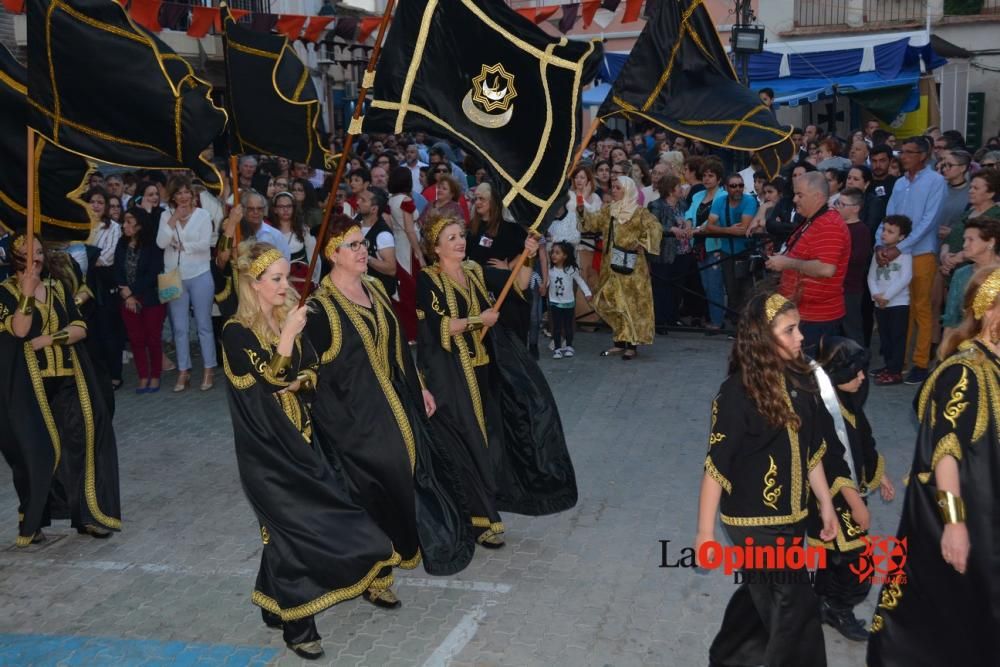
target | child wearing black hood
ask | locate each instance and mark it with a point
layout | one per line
(839, 588)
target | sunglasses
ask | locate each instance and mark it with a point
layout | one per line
(738, 186)
(988, 165)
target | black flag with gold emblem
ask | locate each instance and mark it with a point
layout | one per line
(104, 87)
(481, 74)
(60, 176)
(679, 76)
(273, 105)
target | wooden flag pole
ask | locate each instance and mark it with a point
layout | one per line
(234, 165)
(524, 254)
(348, 142)
(29, 232)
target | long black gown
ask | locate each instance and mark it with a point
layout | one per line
(933, 615)
(65, 465)
(320, 548)
(369, 415)
(495, 410)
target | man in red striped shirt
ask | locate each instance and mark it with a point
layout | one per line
(813, 262)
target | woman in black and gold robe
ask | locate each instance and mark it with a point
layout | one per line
(47, 373)
(370, 415)
(765, 453)
(511, 457)
(942, 607)
(320, 548)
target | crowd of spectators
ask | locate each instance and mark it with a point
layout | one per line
(820, 225)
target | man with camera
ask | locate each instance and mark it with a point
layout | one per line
(813, 262)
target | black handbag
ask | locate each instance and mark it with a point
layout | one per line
(622, 261)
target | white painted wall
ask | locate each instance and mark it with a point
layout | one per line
(976, 36)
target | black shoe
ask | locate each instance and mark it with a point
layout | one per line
(917, 375)
(844, 622)
(94, 531)
(307, 650)
(662, 330)
(533, 350)
(271, 620)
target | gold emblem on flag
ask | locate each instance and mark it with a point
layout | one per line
(492, 90)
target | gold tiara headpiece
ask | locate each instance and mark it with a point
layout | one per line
(18, 245)
(433, 231)
(986, 295)
(259, 265)
(774, 304)
(338, 240)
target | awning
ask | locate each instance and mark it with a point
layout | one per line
(793, 91)
(594, 96)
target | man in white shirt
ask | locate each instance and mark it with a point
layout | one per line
(381, 243)
(413, 163)
(651, 192)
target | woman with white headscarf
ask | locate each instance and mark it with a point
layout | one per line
(624, 296)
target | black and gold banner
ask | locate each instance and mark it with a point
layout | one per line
(273, 105)
(104, 87)
(479, 73)
(679, 76)
(60, 176)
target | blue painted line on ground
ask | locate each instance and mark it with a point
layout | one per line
(73, 651)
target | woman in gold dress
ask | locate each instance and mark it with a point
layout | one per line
(624, 296)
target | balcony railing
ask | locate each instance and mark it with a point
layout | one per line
(895, 11)
(813, 13)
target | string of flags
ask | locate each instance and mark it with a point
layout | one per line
(157, 15)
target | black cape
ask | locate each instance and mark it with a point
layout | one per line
(61, 442)
(493, 403)
(937, 616)
(369, 414)
(320, 547)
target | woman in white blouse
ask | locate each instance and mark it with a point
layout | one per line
(288, 218)
(581, 192)
(109, 332)
(185, 234)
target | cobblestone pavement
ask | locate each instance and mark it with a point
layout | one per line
(579, 588)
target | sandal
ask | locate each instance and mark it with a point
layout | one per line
(612, 351)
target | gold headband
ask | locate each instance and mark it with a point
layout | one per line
(259, 265)
(433, 231)
(18, 245)
(338, 240)
(774, 304)
(986, 295)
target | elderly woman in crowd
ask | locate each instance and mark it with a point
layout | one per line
(624, 296)
(446, 201)
(980, 249)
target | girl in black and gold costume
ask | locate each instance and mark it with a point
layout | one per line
(370, 415)
(320, 548)
(765, 453)
(945, 608)
(50, 395)
(495, 411)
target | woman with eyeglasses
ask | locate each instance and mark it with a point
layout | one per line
(370, 414)
(319, 546)
(288, 219)
(990, 160)
(495, 412)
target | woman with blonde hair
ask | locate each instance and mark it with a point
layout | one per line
(939, 606)
(320, 548)
(514, 458)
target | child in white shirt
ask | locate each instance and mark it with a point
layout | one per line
(563, 273)
(890, 289)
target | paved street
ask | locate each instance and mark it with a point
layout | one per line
(579, 588)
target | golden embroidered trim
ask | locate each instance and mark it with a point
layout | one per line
(947, 445)
(764, 520)
(772, 490)
(956, 404)
(817, 456)
(891, 595)
(715, 474)
(326, 600)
